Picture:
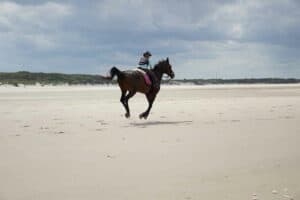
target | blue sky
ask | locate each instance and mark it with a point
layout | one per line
(203, 39)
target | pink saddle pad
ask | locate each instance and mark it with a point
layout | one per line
(146, 76)
(147, 79)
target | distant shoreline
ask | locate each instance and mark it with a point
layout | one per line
(29, 78)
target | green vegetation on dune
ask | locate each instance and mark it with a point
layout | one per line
(29, 78)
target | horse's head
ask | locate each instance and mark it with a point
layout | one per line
(167, 68)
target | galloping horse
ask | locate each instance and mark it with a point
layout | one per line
(132, 81)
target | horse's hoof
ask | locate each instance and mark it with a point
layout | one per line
(143, 115)
(127, 115)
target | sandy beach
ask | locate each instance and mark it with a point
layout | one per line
(199, 142)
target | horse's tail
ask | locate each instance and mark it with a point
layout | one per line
(114, 72)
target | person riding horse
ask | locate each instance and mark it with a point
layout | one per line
(145, 65)
(144, 61)
(133, 81)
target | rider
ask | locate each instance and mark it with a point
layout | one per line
(144, 61)
(145, 65)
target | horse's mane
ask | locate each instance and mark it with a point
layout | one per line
(158, 64)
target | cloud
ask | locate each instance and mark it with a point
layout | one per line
(32, 24)
(202, 38)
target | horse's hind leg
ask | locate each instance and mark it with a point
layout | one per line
(128, 96)
(123, 101)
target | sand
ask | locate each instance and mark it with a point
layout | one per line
(199, 142)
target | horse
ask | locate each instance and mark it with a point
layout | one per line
(132, 81)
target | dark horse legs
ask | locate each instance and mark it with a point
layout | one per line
(150, 97)
(124, 100)
(123, 96)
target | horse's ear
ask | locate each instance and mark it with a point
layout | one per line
(167, 59)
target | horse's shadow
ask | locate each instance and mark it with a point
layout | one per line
(155, 123)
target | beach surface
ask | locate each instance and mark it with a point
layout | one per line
(199, 142)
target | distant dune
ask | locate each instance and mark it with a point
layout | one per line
(29, 78)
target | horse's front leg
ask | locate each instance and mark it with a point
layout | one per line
(150, 98)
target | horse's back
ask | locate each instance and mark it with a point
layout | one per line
(133, 80)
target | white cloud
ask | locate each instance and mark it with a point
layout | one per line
(35, 24)
(235, 37)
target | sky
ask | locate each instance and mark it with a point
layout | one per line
(203, 39)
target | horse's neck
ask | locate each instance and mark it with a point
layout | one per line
(158, 73)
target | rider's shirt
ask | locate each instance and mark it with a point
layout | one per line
(144, 62)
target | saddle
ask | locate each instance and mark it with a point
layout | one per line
(146, 76)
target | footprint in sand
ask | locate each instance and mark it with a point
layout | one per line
(59, 132)
(254, 196)
(288, 197)
(57, 119)
(102, 122)
(110, 156)
(178, 140)
(44, 128)
(274, 192)
(286, 117)
(26, 126)
(264, 119)
(211, 122)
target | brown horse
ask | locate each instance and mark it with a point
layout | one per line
(132, 81)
